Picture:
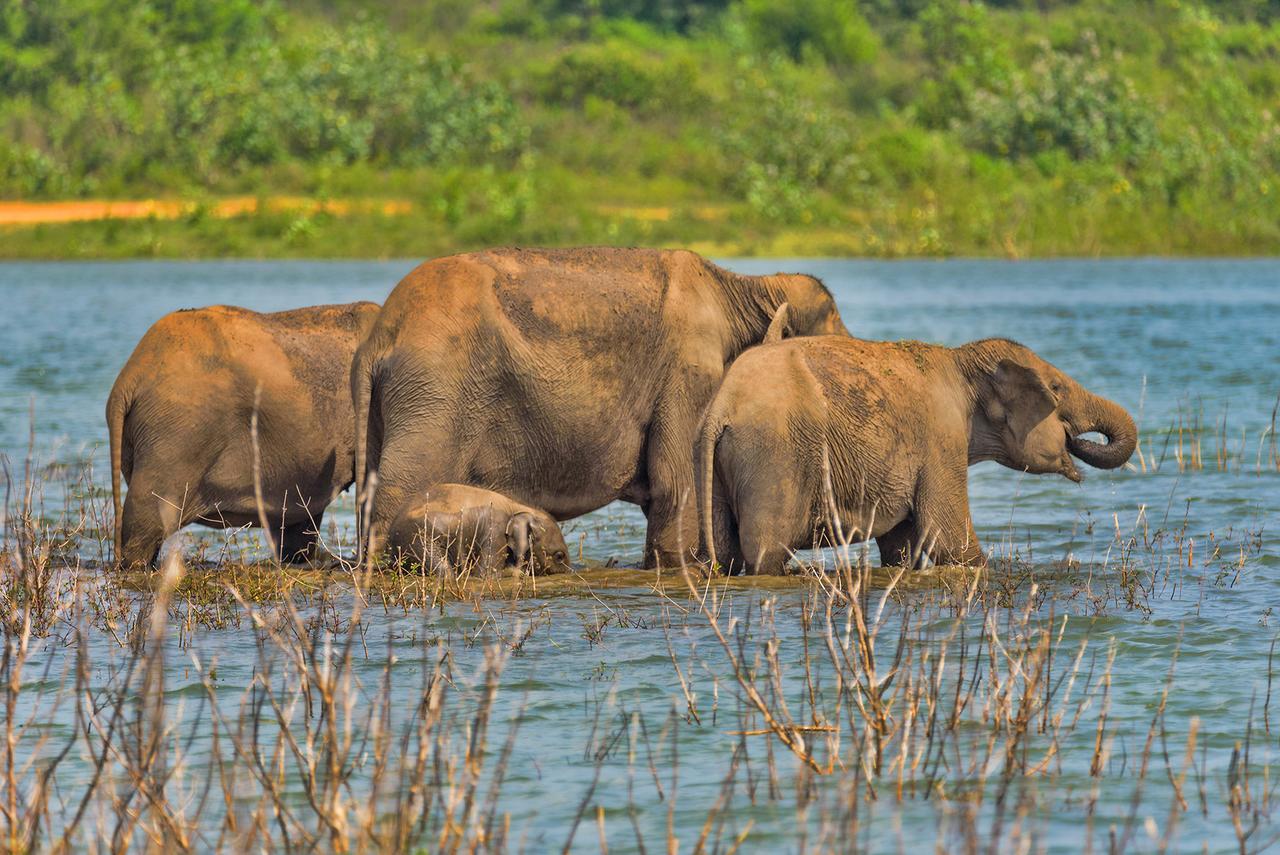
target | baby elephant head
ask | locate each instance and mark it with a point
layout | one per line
(811, 310)
(535, 541)
(1036, 416)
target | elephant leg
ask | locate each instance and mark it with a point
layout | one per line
(944, 528)
(435, 559)
(671, 534)
(958, 545)
(298, 541)
(724, 531)
(142, 530)
(764, 554)
(153, 510)
(898, 545)
(771, 519)
(403, 470)
(671, 537)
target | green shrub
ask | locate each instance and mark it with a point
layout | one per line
(964, 55)
(901, 156)
(358, 94)
(783, 147)
(137, 89)
(27, 171)
(678, 15)
(1073, 102)
(611, 72)
(831, 30)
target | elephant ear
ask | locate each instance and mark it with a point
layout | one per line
(519, 536)
(777, 326)
(1022, 398)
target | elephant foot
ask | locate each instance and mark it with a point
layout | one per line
(298, 543)
(669, 559)
(771, 566)
(144, 555)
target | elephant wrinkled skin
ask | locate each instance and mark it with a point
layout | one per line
(565, 379)
(180, 413)
(895, 425)
(457, 527)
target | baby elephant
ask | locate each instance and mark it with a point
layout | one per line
(892, 427)
(457, 528)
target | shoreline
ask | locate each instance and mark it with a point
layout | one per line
(319, 227)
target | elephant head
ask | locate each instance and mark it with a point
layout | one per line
(811, 310)
(535, 542)
(1033, 417)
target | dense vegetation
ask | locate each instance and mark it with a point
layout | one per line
(885, 127)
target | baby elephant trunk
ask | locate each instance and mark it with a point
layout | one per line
(1112, 421)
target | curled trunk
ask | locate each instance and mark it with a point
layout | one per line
(1112, 421)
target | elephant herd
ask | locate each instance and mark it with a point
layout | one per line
(497, 392)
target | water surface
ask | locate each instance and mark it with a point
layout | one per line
(1177, 342)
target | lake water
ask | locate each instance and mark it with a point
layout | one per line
(1180, 343)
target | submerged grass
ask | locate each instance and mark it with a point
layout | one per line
(840, 700)
(1194, 442)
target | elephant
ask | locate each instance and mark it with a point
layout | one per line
(458, 527)
(565, 379)
(824, 440)
(181, 421)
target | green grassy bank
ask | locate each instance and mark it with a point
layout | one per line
(815, 127)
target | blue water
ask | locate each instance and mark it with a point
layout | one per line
(1177, 342)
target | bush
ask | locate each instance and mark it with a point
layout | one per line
(245, 96)
(359, 95)
(901, 156)
(26, 171)
(964, 55)
(831, 30)
(677, 15)
(1072, 102)
(613, 73)
(784, 147)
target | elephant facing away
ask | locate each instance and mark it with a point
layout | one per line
(895, 426)
(180, 423)
(565, 379)
(460, 528)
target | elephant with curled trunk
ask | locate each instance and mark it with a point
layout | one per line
(565, 379)
(877, 438)
(181, 415)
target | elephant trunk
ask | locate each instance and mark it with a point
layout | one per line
(1112, 421)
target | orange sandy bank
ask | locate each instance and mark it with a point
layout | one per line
(31, 213)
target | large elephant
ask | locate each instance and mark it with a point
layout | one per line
(565, 379)
(455, 527)
(894, 426)
(180, 422)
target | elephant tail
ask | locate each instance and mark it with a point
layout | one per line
(712, 427)
(777, 326)
(117, 408)
(361, 395)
